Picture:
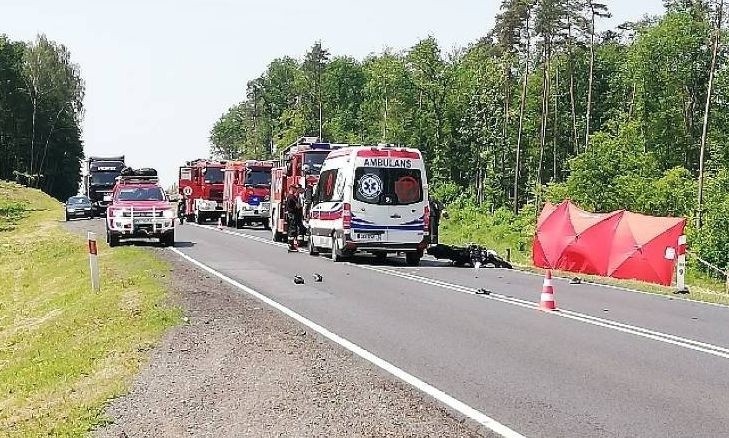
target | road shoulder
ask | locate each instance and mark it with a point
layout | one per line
(237, 367)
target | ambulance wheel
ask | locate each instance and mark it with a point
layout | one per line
(413, 258)
(337, 255)
(313, 250)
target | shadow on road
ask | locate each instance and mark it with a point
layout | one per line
(395, 261)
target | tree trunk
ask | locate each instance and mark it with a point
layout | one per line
(503, 182)
(32, 135)
(555, 127)
(48, 138)
(707, 109)
(571, 67)
(522, 105)
(384, 120)
(589, 80)
(545, 118)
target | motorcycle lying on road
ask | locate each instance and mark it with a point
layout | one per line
(472, 255)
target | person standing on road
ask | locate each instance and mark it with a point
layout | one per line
(293, 215)
(181, 209)
(436, 208)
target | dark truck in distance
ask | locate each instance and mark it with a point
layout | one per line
(99, 177)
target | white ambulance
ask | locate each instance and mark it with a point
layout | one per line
(371, 199)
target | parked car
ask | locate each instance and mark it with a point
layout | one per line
(79, 206)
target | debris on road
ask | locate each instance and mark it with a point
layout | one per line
(318, 278)
(298, 279)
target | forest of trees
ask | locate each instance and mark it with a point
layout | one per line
(542, 107)
(41, 106)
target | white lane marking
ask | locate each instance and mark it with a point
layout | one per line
(432, 391)
(667, 338)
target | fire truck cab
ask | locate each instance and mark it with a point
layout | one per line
(201, 190)
(300, 163)
(247, 193)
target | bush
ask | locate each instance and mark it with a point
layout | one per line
(711, 242)
(451, 193)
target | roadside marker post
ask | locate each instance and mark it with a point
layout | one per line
(681, 265)
(93, 262)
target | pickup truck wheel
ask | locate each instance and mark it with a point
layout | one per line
(113, 240)
(66, 217)
(198, 219)
(168, 239)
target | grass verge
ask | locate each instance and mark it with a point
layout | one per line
(65, 351)
(502, 231)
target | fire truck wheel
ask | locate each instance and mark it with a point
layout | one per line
(267, 224)
(336, 252)
(198, 219)
(313, 250)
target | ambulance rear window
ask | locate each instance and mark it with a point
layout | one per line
(388, 186)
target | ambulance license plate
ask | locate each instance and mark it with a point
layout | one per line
(377, 237)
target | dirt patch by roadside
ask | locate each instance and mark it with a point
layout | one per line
(239, 368)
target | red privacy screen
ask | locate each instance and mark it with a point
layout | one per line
(620, 244)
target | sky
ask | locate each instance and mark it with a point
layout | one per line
(159, 73)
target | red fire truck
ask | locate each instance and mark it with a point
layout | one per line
(300, 163)
(201, 190)
(247, 193)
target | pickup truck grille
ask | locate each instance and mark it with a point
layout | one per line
(157, 213)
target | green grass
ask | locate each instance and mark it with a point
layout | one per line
(64, 350)
(502, 231)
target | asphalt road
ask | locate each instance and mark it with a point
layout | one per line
(649, 366)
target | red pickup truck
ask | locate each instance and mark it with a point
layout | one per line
(140, 208)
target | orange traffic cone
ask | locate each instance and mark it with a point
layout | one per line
(547, 302)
